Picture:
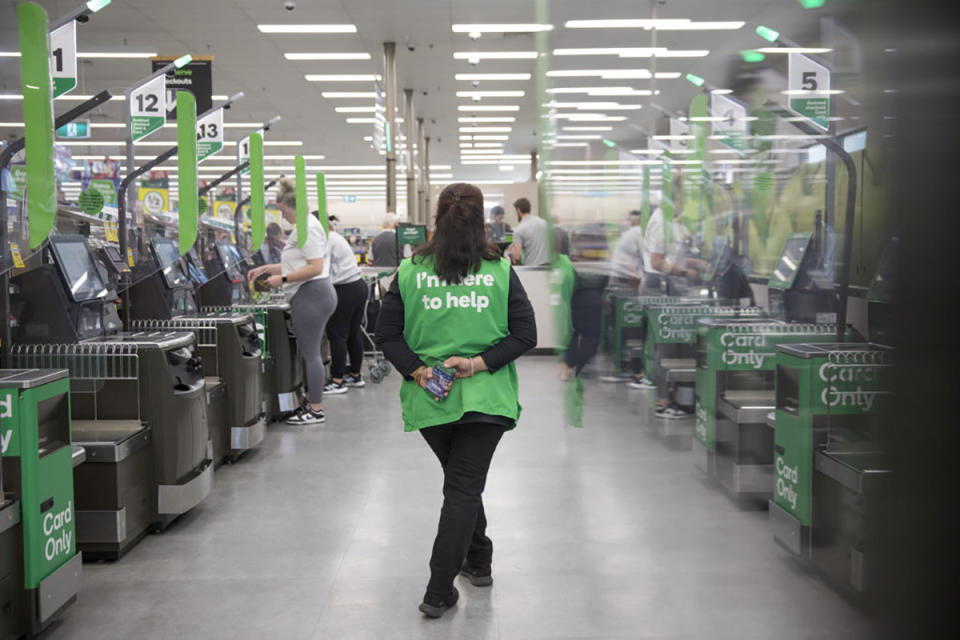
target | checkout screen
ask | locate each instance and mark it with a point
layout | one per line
(193, 266)
(170, 263)
(81, 273)
(231, 260)
(789, 264)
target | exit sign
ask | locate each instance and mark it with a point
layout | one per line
(349, 198)
(79, 129)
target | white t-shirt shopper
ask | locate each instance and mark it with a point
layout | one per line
(629, 256)
(343, 262)
(655, 241)
(294, 257)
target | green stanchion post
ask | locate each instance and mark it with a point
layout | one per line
(37, 119)
(187, 169)
(301, 168)
(256, 191)
(322, 201)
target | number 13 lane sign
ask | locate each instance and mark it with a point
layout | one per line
(148, 108)
(809, 90)
(209, 135)
(63, 58)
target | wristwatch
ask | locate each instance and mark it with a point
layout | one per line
(283, 279)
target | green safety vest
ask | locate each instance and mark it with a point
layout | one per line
(443, 320)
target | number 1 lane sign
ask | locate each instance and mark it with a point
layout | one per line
(809, 90)
(209, 135)
(148, 108)
(63, 58)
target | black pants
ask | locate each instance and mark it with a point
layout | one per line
(343, 328)
(464, 451)
(585, 306)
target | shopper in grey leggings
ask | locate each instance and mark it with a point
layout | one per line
(304, 274)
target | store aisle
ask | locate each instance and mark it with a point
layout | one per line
(600, 533)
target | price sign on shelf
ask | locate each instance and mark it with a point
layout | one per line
(209, 135)
(808, 90)
(63, 58)
(731, 129)
(148, 108)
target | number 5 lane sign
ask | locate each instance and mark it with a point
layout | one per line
(148, 108)
(809, 90)
(63, 58)
(209, 135)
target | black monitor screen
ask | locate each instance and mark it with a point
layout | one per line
(78, 268)
(195, 268)
(786, 270)
(170, 262)
(881, 289)
(231, 260)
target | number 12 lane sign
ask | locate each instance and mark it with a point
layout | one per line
(148, 108)
(809, 90)
(63, 58)
(209, 135)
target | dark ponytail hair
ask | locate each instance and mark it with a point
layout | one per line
(459, 244)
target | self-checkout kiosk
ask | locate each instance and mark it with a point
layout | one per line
(163, 298)
(40, 568)
(137, 400)
(221, 285)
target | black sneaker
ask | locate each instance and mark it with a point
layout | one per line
(477, 577)
(305, 415)
(433, 605)
(335, 387)
(355, 381)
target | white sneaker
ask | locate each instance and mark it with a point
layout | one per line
(642, 384)
(356, 382)
(305, 415)
(335, 387)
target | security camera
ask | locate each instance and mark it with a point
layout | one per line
(476, 83)
(411, 47)
(289, 5)
(476, 98)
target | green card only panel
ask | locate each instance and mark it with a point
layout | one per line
(37, 120)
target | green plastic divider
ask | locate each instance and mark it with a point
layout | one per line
(322, 201)
(256, 190)
(37, 120)
(645, 207)
(301, 200)
(187, 169)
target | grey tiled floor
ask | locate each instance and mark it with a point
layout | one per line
(600, 533)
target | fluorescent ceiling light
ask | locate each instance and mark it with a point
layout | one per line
(341, 77)
(491, 138)
(327, 56)
(488, 107)
(502, 28)
(495, 55)
(470, 119)
(591, 163)
(580, 136)
(601, 91)
(485, 130)
(307, 28)
(568, 144)
(595, 106)
(633, 52)
(116, 55)
(361, 120)
(671, 24)
(349, 94)
(587, 117)
(625, 74)
(372, 109)
(814, 92)
(794, 50)
(490, 94)
(492, 76)
(721, 92)
(487, 145)
(588, 128)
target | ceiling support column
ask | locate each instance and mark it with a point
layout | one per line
(413, 201)
(390, 104)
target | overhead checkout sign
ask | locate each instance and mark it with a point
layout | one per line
(243, 149)
(210, 135)
(148, 108)
(808, 90)
(731, 129)
(63, 58)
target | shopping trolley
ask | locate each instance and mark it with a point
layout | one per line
(377, 281)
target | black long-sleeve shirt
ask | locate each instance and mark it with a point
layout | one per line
(521, 324)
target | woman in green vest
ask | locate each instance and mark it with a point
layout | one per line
(457, 303)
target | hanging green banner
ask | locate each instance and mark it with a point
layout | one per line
(37, 120)
(301, 200)
(322, 201)
(256, 190)
(187, 169)
(63, 58)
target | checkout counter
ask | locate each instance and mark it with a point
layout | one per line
(40, 568)
(136, 399)
(162, 297)
(221, 284)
